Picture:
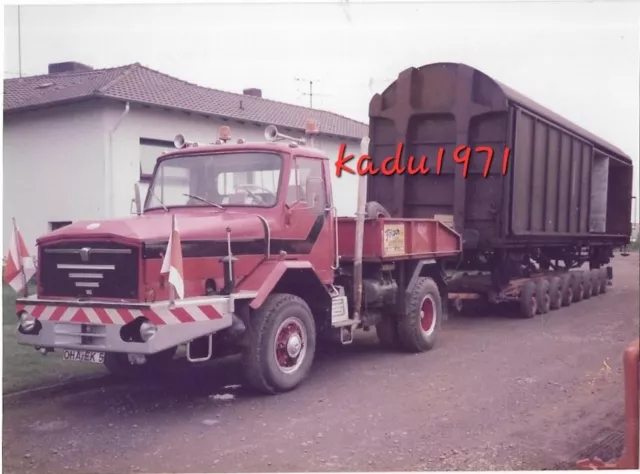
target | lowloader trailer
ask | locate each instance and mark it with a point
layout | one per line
(534, 196)
(268, 269)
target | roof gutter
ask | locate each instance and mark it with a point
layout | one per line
(108, 165)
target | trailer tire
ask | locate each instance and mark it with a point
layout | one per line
(603, 279)
(587, 283)
(555, 293)
(594, 276)
(542, 293)
(419, 326)
(374, 209)
(387, 332)
(264, 365)
(577, 286)
(528, 300)
(566, 289)
(119, 365)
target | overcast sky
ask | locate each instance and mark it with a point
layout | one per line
(579, 59)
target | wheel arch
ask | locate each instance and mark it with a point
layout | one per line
(299, 279)
(430, 268)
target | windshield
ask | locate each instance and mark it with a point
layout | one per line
(221, 179)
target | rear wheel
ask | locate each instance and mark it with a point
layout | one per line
(587, 285)
(280, 346)
(528, 300)
(419, 326)
(555, 293)
(542, 293)
(122, 365)
(595, 282)
(577, 286)
(566, 289)
(603, 279)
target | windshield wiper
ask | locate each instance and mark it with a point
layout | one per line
(153, 193)
(203, 200)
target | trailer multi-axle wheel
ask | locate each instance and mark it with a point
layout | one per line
(555, 293)
(280, 345)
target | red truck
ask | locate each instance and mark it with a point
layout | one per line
(269, 269)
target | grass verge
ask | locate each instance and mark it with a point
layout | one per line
(24, 368)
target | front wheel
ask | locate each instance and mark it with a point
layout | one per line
(418, 328)
(281, 344)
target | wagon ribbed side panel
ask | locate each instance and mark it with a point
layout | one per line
(563, 184)
(552, 185)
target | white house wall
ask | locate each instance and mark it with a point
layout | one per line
(52, 169)
(160, 124)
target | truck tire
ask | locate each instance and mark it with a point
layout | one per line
(555, 293)
(587, 284)
(119, 365)
(542, 293)
(387, 332)
(566, 289)
(281, 344)
(373, 210)
(528, 300)
(577, 286)
(595, 282)
(602, 273)
(419, 326)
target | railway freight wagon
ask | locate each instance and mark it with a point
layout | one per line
(551, 197)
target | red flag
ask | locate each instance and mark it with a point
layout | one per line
(20, 267)
(172, 263)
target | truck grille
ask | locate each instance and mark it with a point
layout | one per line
(89, 270)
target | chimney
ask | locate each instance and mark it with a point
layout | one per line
(253, 92)
(68, 66)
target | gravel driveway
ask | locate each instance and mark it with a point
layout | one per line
(496, 393)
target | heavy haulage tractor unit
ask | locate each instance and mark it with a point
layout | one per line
(268, 268)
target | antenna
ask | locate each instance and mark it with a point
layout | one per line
(310, 93)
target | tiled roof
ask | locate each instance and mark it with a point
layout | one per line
(137, 83)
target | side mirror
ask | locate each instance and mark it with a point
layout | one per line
(136, 200)
(315, 195)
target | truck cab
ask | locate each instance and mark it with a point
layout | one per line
(259, 264)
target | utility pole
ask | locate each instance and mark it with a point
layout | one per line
(19, 46)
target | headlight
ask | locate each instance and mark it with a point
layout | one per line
(27, 322)
(147, 330)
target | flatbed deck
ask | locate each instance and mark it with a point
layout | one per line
(391, 239)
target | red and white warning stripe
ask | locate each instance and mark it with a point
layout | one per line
(97, 315)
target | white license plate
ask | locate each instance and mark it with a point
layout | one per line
(83, 356)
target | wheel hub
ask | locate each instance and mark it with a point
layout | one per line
(294, 345)
(427, 316)
(290, 345)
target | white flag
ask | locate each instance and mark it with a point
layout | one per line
(172, 263)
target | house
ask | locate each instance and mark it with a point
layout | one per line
(77, 139)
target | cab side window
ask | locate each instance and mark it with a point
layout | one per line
(305, 171)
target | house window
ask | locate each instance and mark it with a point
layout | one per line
(150, 151)
(58, 225)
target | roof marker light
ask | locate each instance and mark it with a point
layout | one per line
(224, 133)
(311, 127)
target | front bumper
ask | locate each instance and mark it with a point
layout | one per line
(106, 327)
